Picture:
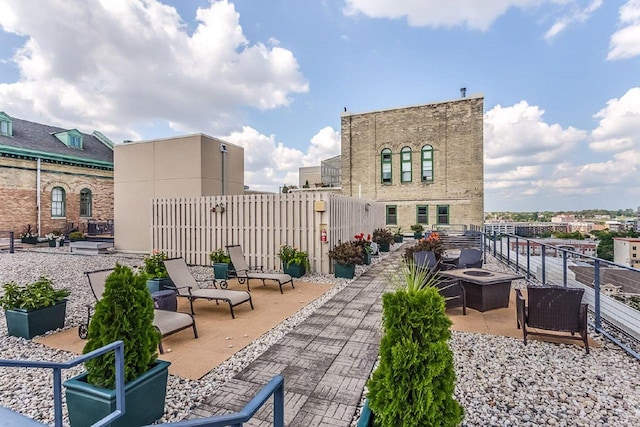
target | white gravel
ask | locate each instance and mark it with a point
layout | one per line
(500, 381)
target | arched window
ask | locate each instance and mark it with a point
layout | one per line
(85, 202)
(386, 166)
(405, 162)
(57, 201)
(427, 163)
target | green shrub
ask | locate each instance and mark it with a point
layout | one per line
(219, 256)
(74, 236)
(125, 312)
(35, 295)
(414, 382)
(154, 265)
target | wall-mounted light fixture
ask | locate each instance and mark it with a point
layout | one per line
(219, 208)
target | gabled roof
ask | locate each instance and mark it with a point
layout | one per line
(37, 140)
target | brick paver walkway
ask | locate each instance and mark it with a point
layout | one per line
(325, 360)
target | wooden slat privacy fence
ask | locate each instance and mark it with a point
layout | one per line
(261, 223)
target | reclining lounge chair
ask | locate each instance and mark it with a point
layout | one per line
(166, 322)
(187, 287)
(244, 274)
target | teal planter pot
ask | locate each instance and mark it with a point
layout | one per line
(29, 240)
(295, 270)
(159, 284)
(398, 239)
(366, 416)
(221, 270)
(366, 259)
(384, 247)
(417, 235)
(144, 399)
(344, 271)
(29, 323)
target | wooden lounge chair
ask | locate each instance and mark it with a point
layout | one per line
(166, 322)
(243, 272)
(187, 287)
(553, 308)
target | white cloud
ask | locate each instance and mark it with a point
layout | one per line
(269, 164)
(475, 14)
(625, 43)
(619, 126)
(576, 15)
(114, 65)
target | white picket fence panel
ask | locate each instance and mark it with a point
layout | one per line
(261, 223)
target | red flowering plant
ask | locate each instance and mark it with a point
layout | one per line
(429, 243)
(365, 244)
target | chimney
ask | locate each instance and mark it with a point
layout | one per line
(463, 92)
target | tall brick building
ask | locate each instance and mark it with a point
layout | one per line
(424, 162)
(52, 178)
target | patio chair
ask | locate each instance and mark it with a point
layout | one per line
(469, 258)
(244, 273)
(187, 287)
(426, 259)
(166, 322)
(552, 308)
(453, 293)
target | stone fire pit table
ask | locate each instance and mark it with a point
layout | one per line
(485, 289)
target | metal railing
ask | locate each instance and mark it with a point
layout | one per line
(274, 387)
(615, 315)
(97, 228)
(117, 347)
(8, 241)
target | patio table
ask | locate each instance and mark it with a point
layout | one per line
(485, 289)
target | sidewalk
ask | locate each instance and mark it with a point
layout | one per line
(326, 360)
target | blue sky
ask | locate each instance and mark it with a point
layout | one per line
(561, 80)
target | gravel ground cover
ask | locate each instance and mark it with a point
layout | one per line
(500, 381)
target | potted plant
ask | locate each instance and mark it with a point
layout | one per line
(365, 244)
(157, 276)
(294, 261)
(28, 235)
(55, 238)
(33, 309)
(384, 239)
(414, 382)
(125, 312)
(431, 243)
(221, 262)
(417, 229)
(398, 237)
(345, 256)
(75, 236)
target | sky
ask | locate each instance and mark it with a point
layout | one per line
(560, 80)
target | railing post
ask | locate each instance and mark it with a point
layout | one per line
(564, 268)
(528, 259)
(501, 252)
(517, 255)
(278, 406)
(508, 252)
(11, 244)
(494, 243)
(596, 288)
(57, 396)
(543, 254)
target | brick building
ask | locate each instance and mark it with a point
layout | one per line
(53, 178)
(424, 162)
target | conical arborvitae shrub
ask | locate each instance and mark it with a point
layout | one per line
(414, 382)
(125, 312)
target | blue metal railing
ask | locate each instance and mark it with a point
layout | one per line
(274, 387)
(540, 269)
(117, 347)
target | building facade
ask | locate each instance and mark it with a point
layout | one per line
(188, 166)
(626, 251)
(425, 162)
(53, 179)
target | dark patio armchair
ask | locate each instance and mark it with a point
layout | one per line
(469, 258)
(453, 293)
(552, 308)
(426, 259)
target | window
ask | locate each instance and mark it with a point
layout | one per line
(443, 215)
(634, 255)
(405, 159)
(392, 215)
(422, 215)
(386, 166)
(75, 141)
(85, 202)
(427, 163)
(57, 201)
(4, 128)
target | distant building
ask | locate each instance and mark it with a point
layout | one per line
(330, 171)
(53, 178)
(424, 162)
(309, 175)
(626, 251)
(554, 247)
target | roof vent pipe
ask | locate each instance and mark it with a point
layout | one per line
(463, 92)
